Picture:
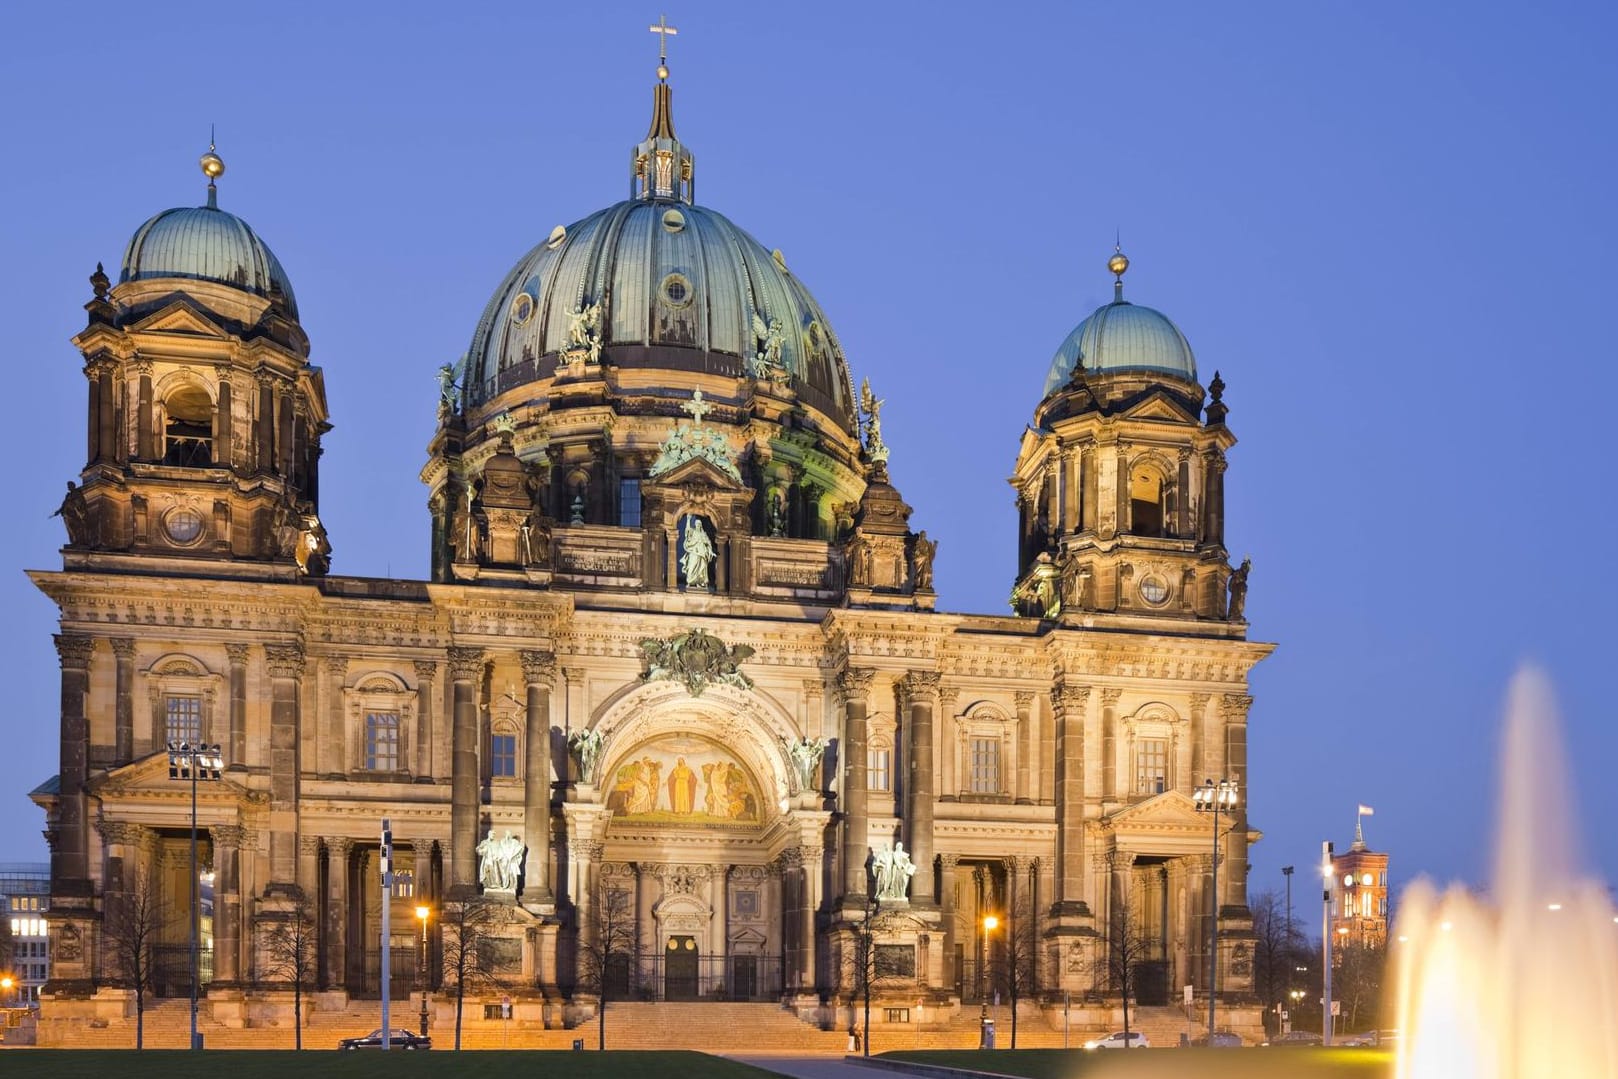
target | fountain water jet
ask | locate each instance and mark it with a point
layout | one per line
(1526, 985)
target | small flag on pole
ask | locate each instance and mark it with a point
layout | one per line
(1366, 811)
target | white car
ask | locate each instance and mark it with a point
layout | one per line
(1119, 1040)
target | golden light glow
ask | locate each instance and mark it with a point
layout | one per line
(990, 922)
(422, 912)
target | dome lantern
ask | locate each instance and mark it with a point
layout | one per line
(660, 166)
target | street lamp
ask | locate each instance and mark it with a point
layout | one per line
(1286, 871)
(6, 984)
(190, 763)
(422, 913)
(990, 924)
(1215, 798)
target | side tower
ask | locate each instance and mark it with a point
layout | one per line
(1120, 480)
(205, 415)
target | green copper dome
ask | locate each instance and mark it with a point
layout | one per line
(1122, 336)
(204, 243)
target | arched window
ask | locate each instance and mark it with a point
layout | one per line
(1148, 501)
(503, 750)
(879, 765)
(188, 432)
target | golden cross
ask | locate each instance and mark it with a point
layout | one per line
(663, 30)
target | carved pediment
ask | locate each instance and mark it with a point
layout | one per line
(150, 775)
(1159, 407)
(701, 471)
(179, 317)
(1169, 810)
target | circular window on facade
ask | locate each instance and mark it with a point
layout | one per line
(1154, 590)
(522, 308)
(676, 290)
(673, 220)
(554, 240)
(183, 525)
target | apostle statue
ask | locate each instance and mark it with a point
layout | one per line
(499, 861)
(893, 870)
(1238, 591)
(697, 561)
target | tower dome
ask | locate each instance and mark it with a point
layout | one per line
(1122, 337)
(205, 243)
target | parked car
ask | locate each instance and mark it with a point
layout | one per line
(1219, 1039)
(402, 1039)
(1119, 1040)
(1364, 1039)
(1295, 1037)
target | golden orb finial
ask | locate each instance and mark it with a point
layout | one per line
(213, 166)
(1118, 263)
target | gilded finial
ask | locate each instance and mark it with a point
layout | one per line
(213, 167)
(1116, 266)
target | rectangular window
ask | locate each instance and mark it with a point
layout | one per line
(503, 756)
(898, 1015)
(1151, 766)
(404, 884)
(879, 769)
(382, 741)
(183, 720)
(629, 502)
(984, 773)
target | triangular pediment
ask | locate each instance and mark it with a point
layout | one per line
(1169, 810)
(179, 317)
(1158, 407)
(697, 470)
(150, 775)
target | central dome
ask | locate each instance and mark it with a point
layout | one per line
(674, 285)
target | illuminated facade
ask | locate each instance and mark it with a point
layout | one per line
(1360, 895)
(677, 658)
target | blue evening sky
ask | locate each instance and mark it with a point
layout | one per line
(1390, 226)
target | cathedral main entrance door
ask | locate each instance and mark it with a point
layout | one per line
(680, 969)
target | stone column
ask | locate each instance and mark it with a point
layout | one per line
(308, 866)
(236, 738)
(539, 672)
(264, 428)
(948, 736)
(719, 900)
(947, 865)
(1111, 789)
(809, 861)
(221, 420)
(1233, 710)
(853, 687)
(285, 662)
(227, 928)
(70, 869)
(1025, 749)
(465, 668)
(1070, 490)
(331, 744)
(921, 693)
(1120, 477)
(1087, 487)
(146, 441)
(1199, 739)
(426, 675)
(1182, 497)
(123, 721)
(1070, 702)
(338, 850)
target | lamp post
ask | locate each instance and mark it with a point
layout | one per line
(990, 923)
(190, 763)
(1329, 872)
(422, 913)
(1215, 798)
(1286, 871)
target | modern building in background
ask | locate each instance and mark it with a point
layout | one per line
(677, 665)
(25, 897)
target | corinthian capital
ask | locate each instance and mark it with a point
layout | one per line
(465, 664)
(854, 684)
(921, 687)
(1233, 707)
(539, 668)
(74, 650)
(284, 660)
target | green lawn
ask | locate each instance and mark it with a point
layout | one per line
(280, 1064)
(1302, 1063)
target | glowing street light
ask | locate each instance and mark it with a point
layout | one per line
(422, 914)
(189, 763)
(1215, 798)
(990, 924)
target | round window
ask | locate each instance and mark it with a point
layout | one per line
(673, 220)
(183, 525)
(522, 308)
(676, 290)
(1154, 590)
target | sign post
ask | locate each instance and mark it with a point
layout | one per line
(387, 904)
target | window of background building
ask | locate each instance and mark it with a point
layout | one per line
(629, 502)
(984, 772)
(503, 756)
(183, 720)
(1151, 766)
(404, 884)
(879, 768)
(382, 741)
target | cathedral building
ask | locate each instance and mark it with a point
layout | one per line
(676, 690)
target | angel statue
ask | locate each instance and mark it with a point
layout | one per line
(449, 394)
(871, 405)
(805, 754)
(587, 746)
(770, 339)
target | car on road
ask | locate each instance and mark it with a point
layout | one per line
(402, 1039)
(1119, 1040)
(1295, 1037)
(1219, 1039)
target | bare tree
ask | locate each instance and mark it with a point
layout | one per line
(468, 953)
(1127, 949)
(290, 958)
(134, 921)
(1357, 981)
(606, 949)
(1273, 955)
(1019, 956)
